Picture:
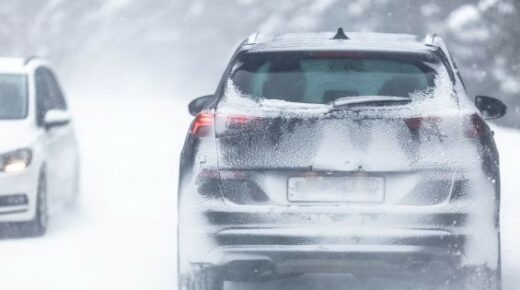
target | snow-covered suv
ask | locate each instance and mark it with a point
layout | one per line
(38, 151)
(341, 152)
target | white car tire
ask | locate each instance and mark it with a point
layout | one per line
(38, 225)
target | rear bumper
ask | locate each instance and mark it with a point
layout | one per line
(386, 240)
(282, 245)
(256, 254)
(240, 262)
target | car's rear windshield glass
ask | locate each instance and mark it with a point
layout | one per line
(322, 77)
(13, 96)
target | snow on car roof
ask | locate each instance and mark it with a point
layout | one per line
(368, 41)
(13, 64)
(19, 64)
(12, 61)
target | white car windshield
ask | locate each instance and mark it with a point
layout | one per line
(13, 96)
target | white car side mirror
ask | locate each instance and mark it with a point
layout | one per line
(55, 117)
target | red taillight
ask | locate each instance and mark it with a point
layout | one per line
(413, 123)
(236, 124)
(224, 123)
(417, 123)
(476, 128)
(238, 119)
(203, 124)
(473, 125)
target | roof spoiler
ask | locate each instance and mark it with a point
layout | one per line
(432, 39)
(252, 39)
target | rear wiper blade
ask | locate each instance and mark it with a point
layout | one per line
(346, 101)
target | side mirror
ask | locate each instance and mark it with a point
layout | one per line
(199, 104)
(490, 108)
(55, 118)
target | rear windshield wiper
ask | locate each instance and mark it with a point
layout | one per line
(362, 100)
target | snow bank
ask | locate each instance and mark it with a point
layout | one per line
(508, 141)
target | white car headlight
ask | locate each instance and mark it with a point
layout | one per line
(15, 161)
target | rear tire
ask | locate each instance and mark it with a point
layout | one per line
(203, 278)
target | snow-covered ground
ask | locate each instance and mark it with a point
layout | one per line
(508, 141)
(122, 236)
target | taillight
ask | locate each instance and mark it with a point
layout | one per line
(417, 123)
(413, 123)
(236, 124)
(475, 127)
(203, 124)
(224, 123)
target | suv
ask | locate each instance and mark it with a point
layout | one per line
(39, 170)
(355, 153)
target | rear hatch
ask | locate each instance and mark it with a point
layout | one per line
(338, 127)
(368, 156)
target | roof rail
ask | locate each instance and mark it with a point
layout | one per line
(431, 39)
(27, 60)
(253, 38)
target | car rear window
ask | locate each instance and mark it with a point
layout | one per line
(322, 77)
(13, 96)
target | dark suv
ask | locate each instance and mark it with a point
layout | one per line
(354, 153)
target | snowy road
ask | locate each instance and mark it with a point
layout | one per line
(123, 234)
(508, 141)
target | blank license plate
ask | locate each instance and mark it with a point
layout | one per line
(336, 189)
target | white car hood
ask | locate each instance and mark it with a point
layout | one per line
(16, 134)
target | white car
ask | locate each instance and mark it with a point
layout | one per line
(39, 164)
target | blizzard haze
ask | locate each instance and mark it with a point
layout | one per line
(179, 48)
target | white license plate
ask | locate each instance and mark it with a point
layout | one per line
(336, 189)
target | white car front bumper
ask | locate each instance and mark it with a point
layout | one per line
(18, 195)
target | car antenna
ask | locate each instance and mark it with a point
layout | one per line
(340, 34)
